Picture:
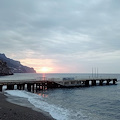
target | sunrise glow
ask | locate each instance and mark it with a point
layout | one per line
(44, 69)
(39, 67)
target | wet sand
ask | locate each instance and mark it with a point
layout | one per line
(10, 111)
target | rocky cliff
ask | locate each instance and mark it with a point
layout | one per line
(4, 69)
(16, 66)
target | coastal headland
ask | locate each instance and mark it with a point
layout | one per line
(9, 65)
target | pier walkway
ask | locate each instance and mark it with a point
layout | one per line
(43, 83)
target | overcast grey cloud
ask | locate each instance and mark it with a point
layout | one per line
(67, 35)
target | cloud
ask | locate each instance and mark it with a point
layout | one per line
(64, 32)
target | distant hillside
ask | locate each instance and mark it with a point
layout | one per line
(4, 69)
(16, 66)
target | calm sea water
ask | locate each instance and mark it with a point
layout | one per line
(83, 103)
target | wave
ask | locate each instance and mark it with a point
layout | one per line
(39, 102)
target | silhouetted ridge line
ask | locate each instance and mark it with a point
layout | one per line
(16, 66)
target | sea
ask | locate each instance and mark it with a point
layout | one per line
(78, 103)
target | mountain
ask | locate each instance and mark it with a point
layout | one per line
(16, 66)
(4, 69)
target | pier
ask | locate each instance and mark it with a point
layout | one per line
(34, 85)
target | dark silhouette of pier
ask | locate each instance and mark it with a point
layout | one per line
(33, 85)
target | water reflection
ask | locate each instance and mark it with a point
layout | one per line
(43, 76)
(43, 95)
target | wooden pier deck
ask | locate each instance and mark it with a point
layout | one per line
(33, 85)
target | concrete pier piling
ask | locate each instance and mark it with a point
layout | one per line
(1, 88)
(20, 86)
(29, 87)
(93, 82)
(10, 87)
(87, 83)
(101, 82)
(114, 81)
(107, 82)
(32, 88)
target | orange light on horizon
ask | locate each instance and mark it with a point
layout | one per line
(44, 70)
(46, 66)
(38, 65)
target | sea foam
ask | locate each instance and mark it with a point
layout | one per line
(56, 112)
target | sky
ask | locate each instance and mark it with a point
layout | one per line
(62, 36)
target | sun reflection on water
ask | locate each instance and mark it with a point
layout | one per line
(43, 95)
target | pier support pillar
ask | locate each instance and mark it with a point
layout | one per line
(93, 82)
(1, 88)
(39, 86)
(47, 85)
(43, 86)
(101, 82)
(19, 87)
(10, 87)
(87, 83)
(36, 87)
(33, 88)
(22, 86)
(29, 87)
(114, 81)
(107, 82)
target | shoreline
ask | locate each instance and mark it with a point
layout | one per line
(13, 111)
